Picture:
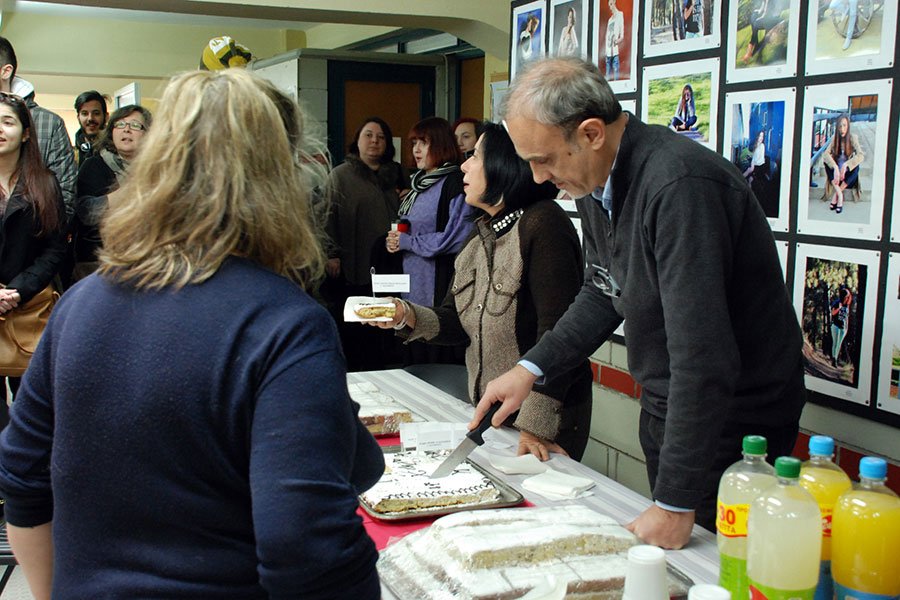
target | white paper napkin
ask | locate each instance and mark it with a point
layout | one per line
(549, 589)
(527, 464)
(558, 486)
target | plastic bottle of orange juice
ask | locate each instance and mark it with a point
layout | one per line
(865, 538)
(741, 483)
(826, 482)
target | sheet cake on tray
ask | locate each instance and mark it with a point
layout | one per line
(503, 554)
(406, 485)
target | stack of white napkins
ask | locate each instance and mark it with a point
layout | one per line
(556, 485)
(549, 483)
(527, 464)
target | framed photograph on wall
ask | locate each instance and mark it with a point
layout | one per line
(569, 28)
(843, 36)
(629, 105)
(834, 295)
(684, 98)
(763, 37)
(529, 25)
(759, 128)
(888, 397)
(782, 248)
(615, 42)
(895, 219)
(674, 26)
(843, 154)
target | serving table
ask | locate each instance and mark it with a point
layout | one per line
(699, 560)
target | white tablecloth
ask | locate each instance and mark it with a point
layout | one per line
(699, 560)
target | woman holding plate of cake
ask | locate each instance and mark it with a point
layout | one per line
(513, 279)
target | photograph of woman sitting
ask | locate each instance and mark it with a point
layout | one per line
(758, 161)
(685, 118)
(842, 162)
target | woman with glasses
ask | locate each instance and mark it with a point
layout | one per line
(184, 429)
(101, 174)
(32, 217)
(514, 278)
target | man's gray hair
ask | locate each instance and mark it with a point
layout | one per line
(561, 92)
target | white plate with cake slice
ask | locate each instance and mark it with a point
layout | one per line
(362, 309)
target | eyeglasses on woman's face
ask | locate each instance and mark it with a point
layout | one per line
(605, 282)
(132, 125)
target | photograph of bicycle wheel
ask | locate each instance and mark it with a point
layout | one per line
(849, 35)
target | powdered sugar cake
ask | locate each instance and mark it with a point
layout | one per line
(406, 485)
(379, 412)
(503, 554)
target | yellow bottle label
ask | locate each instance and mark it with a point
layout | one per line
(826, 511)
(731, 519)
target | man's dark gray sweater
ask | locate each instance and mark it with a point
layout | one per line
(711, 334)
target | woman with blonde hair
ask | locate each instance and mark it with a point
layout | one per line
(204, 444)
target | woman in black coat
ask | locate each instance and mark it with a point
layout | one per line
(102, 174)
(32, 217)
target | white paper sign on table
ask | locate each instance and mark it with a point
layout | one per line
(428, 435)
(390, 284)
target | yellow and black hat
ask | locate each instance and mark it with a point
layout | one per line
(223, 52)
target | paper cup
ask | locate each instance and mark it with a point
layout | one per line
(708, 591)
(645, 575)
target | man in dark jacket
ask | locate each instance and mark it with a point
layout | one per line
(678, 247)
(92, 116)
(56, 150)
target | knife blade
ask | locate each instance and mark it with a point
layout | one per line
(472, 440)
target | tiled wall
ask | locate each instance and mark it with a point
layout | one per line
(614, 449)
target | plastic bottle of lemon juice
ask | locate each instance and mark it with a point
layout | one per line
(741, 483)
(784, 538)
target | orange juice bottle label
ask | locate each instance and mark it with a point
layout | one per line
(731, 519)
(827, 511)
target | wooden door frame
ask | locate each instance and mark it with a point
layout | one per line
(339, 72)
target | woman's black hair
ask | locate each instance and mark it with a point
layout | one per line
(388, 156)
(508, 177)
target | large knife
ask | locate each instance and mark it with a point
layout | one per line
(472, 440)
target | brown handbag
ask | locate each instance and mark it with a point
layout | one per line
(21, 329)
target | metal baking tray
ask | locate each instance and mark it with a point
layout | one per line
(508, 497)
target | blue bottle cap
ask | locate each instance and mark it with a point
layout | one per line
(872, 467)
(821, 445)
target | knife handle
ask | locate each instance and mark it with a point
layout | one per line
(476, 434)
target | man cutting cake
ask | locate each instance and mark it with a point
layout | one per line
(677, 246)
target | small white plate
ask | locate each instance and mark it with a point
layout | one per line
(353, 301)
